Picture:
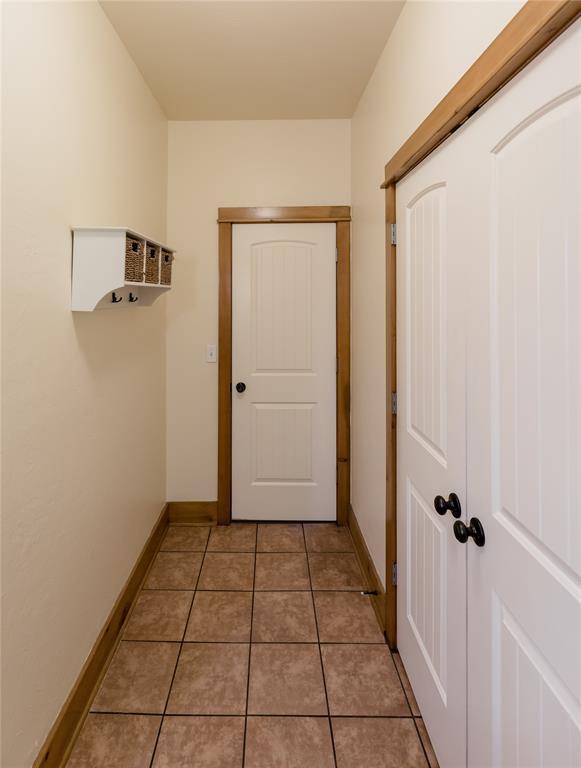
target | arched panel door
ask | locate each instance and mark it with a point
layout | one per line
(524, 419)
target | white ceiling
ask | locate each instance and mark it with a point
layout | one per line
(241, 60)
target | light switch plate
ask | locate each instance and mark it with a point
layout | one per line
(211, 353)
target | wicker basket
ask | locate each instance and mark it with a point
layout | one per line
(166, 262)
(134, 253)
(152, 263)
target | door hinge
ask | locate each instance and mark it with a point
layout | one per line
(394, 574)
(394, 403)
(336, 255)
(393, 234)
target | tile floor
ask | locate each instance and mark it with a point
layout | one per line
(252, 646)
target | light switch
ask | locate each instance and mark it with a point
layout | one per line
(211, 353)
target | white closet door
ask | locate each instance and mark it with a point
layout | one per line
(524, 419)
(431, 443)
(284, 353)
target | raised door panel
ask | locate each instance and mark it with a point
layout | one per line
(281, 307)
(426, 330)
(426, 585)
(537, 318)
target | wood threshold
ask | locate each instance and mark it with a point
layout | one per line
(530, 31)
(340, 215)
(292, 214)
(60, 740)
(369, 571)
(536, 25)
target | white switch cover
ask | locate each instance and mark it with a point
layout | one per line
(211, 353)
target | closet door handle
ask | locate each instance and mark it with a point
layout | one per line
(474, 531)
(240, 387)
(453, 505)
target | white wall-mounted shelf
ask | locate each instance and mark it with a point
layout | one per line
(116, 267)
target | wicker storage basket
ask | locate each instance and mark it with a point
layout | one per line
(166, 262)
(134, 254)
(152, 263)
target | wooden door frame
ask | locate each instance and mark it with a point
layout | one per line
(529, 32)
(341, 217)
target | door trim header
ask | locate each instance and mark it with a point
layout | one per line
(530, 31)
(289, 214)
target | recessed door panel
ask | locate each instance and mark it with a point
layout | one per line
(426, 315)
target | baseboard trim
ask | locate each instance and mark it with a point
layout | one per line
(193, 512)
(58, 743)
(369, 570)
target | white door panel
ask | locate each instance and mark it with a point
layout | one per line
(524, 419)
(431, 451)
(284, 351)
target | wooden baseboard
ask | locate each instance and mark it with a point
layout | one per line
(193, 512)
(62, 735)
(369, 570)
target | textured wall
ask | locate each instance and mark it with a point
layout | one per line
(213, 164)
(83, 396)
(430, 48)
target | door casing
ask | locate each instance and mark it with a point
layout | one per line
(341, 217)
(534, 27)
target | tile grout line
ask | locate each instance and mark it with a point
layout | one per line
(183, 643)
(263, 714)
(178, 655)
(320, 652)
(249, 649)
(257, 642)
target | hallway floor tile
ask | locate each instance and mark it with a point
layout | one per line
(283, 617)
(281, 570)
(253, 647)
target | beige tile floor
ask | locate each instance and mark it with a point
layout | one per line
(252, 646)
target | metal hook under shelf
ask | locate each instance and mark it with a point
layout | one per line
(114, 299)
(132, 298)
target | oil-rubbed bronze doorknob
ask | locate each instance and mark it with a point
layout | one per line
(453, 504)
(473, 531)
(240, 387)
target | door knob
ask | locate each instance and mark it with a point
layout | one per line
(241, 387)
(453, 504)
(474, 530)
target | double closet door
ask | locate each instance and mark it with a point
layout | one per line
(489, 392)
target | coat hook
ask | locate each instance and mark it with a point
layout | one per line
(114, 299)
(132, 298)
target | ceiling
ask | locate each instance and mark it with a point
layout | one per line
(251, 60)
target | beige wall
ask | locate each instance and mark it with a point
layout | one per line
(431, 46)
(214, 164)
(84, 143)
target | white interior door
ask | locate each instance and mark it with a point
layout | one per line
(524, 419)
(431, 444)
(284, 353)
